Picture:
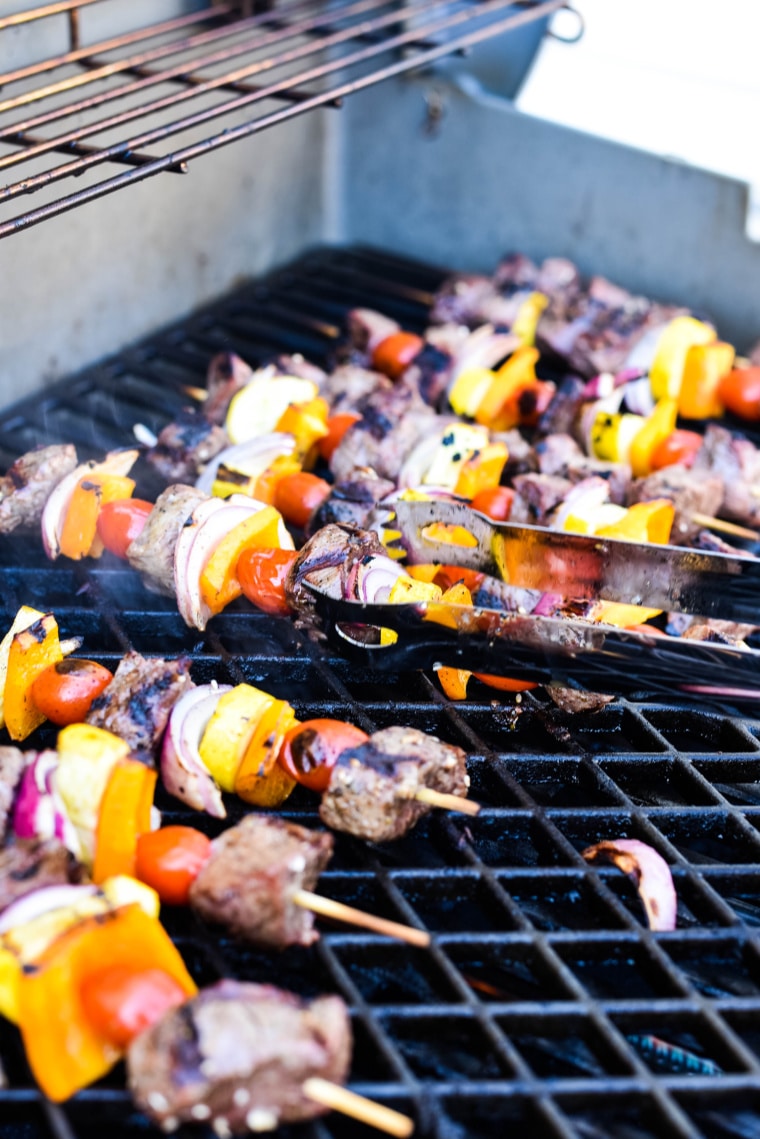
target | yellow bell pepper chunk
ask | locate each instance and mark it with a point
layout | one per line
(306, 422)
(25, 617)
(86, 758)
(449, 534)
(705, 367)
(470, 388)
(219, 583)
(643, 522)
(591, 520)
(258, 407)
(406, 590)
(528, 316)
(622, 616)
(32, 651)
(230, 731)
(612, 435)
(482, 471)
(424, 572)
(517, 372)
(661, 423)
(666, 373)
(260, 779)
(388, 636)
(65, 1050)
(457, 594)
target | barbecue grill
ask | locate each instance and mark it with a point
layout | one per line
(544, 1002)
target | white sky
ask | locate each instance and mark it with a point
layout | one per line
(678, 77)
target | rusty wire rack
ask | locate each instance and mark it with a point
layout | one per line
(93, 93)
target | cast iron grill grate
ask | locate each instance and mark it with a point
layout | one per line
(544, 1002)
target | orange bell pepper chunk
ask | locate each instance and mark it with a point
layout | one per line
(454, 682)
(65, 1051)
(705, 367)
(505, 683)
(482, 471)
(79, 536)
(32, 651)
(518, 372)
(260, 779)
(451, 535)
(267, 483)
(439, 612)
(426, 571)
(643, 522)
(219, 583)
(123, 816)
(306, 422)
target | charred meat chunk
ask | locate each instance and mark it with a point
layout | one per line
(392, 422)
(185, 446)
(577, 700)
(26, 866)
(136, 704)
(350, 502)
(737, 462)
(226, 375)
(691, 492)
(253, 872)
(327, 560)
(237, 1055)
(12, 765)
(537, 496)
(372, 788)
(28, 483)
(152, 553)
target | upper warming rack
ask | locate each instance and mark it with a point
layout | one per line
(87, 94)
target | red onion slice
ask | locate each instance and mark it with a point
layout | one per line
(373, 580)
(650, 874)
(483, 348)
(39, 902)
(54, 512)
(253, 456)
(184, 773)
(39, 811)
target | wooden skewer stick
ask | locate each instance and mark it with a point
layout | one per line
(329, 908)
(447, 802)
(195, 393)
(725, 527)
(357, 1107)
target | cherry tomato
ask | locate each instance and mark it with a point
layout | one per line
(262, 574)
(505, 683)
(297, 496)
(120, 1002)
(337, 426)
(447, 576)
(532, 401)
(64, 691)
(679, 447)
(496, 502)
(394, 354)
(120, 522)
(310, 750)
(169, 860)
(740, 392)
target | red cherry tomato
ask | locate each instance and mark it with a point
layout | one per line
(310, 750)
(740, 392)
(170, 859)
(262, 574)
(337, 426)
(394, 354)
(120, 1002)
(679, 447)
(496, 502)
(120, 522)
(448, 576)
(64, 691)
(297, 496)
(505, 683)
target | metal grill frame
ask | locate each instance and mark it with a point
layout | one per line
(539, 998)
(224, 68)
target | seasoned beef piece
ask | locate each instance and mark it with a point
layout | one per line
(463, 298)
(515, 272)
(349, 384)
(536, 496)
(254, 870)
(561, 455)
(562, 414)
(393, 421)
(185, 446)
(26, 866)
(350, 502)
(295, 365)
(521, 457)
(577, 700)
(327, 559)
(238, 1055)
(737, 462)
(12, 764)
(227, 374)
(368, 328)
(372, 787)
(136, 704)
(429, 374)
(495, 594)
(558, 454)
(26, 486)
(152, 553)
(690, 491)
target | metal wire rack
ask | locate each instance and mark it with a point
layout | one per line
(544, 1004)
(154, 97)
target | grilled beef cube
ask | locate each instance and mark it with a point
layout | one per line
(560, 455)
(536, 497)
(690, 491)
(495, 594)
(562, 414)
(237, 1056)
(254, 870)
(296, 365)
(737, 462)
(368, 328)
(577, 700)
(350, 502)
(349, 384)
(26, 866)
(136, 704)
(372, 787)
(327, 560)
(152, 553)
(26, 486)
(393, 421)
(226, 375)
(185, 446)
(12, 764)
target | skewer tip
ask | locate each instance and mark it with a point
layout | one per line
(358, 1107)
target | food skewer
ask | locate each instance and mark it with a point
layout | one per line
(724, 527)
(358, 1107)
(337, 911)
